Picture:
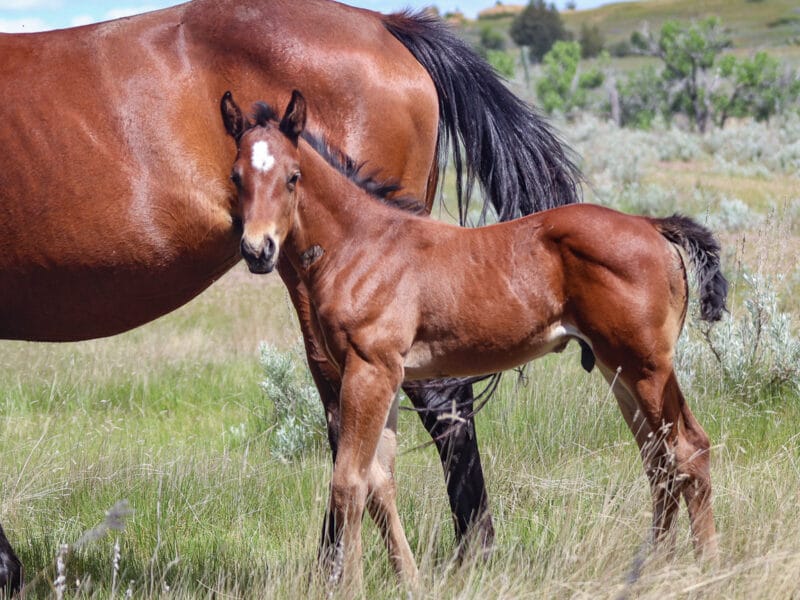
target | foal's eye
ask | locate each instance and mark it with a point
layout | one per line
(291, 183)
(236, 178)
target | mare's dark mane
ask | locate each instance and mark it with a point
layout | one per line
(380, 189)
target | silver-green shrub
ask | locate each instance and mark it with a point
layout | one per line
(752, 353)
(297, 420)
(732, 214)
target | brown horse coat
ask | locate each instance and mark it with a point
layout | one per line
(398, 296)
(114, 202)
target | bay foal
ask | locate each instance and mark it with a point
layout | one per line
(474, 301)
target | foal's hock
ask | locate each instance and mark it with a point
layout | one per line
(485, 300)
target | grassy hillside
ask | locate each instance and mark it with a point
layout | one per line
(759, 24)
(754, 25)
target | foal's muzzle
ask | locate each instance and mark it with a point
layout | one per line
(260, 256)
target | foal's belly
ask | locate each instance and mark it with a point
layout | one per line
(434, 359)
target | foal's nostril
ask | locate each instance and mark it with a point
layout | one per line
(248, 252)
(269, 246)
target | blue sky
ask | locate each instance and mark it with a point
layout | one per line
(37, 15)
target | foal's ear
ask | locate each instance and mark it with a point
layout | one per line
(232, 116)
(294, 120)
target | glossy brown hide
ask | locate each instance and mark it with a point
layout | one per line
(115, 203)
(400, 297)
(115, 206)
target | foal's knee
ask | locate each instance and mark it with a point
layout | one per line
(348, 493)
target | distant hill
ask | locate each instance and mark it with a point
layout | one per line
(754, 24)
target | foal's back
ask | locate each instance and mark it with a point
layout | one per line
(498, 296)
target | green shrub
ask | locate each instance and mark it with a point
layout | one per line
(502, 62)
(297, 420)
(752, 354)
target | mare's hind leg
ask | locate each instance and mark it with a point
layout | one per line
(382, 501)
(10, 567)
(461, 460)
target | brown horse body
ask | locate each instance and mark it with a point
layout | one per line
(398, 296)
(114, 202)
(116, 207)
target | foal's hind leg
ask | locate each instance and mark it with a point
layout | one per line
(654, 450)
(382, 501)
(692, 455)
(675, 450)
(687, 447)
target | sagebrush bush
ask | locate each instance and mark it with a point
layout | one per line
(640, 199)
(674, 144)
(732, 214)
(297, 420)
(756, 149)
(754, 352)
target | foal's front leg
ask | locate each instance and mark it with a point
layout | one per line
(382, 500)
(368, 391)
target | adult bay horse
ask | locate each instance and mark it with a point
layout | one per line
(399, 296)
(115, 204)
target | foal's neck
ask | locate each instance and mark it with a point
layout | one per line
(333, 211)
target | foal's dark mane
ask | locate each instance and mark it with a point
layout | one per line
(380, 189)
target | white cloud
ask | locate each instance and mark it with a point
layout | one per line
(28, 4)
(127, 11)
(23, 25)
(79, 20)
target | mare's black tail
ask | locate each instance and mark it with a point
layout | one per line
(703, 250)
(519, 161)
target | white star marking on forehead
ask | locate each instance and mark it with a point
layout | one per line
(261, 159)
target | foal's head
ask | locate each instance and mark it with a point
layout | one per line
(265, 173)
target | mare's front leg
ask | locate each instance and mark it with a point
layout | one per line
(457, 443)
(368, 391)
(10, 567)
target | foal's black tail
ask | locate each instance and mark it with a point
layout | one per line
(519, 161)
(703, 250)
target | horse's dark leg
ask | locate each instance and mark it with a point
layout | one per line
(10, 567)
(458, 451)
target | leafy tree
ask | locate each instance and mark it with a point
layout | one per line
(491, 39)
(562, 88)
(641, 98)
(689, 53)
(502, 62)
(591, 40)
(538, 27)
(621, 48)
(757, 88)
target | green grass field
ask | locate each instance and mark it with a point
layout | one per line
(163, 417)
(170, 417)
